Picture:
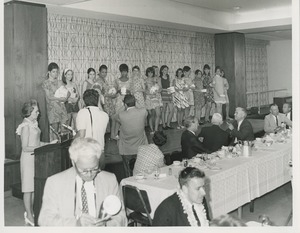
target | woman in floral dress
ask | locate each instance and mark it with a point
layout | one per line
(189, 87)
(138, 87)
(56, 110)
(179, 98)
(153, 101)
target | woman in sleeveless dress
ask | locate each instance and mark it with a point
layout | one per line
(179, 98)
(199, 99)
(153, 101)
(88, 83)
(29, 132)
(71, 105)
(209, 94)
(189, 87)
(167, 98)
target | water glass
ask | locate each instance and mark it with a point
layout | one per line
(156, 173)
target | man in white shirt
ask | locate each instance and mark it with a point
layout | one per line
(91, 121)
(273, 121)
(287, 110)
(74, 197)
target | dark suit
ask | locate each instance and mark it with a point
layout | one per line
(245, 133)
(214, 137)
(190, 145)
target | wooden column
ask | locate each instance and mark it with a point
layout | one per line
(25, 67)
(230, 55)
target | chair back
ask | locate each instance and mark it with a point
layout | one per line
(136, 200)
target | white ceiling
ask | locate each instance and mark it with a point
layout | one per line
(260, 19)
(228, 5)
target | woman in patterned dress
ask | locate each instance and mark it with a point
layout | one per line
(29, 132)
(138, 87)
(166, 96)
(123, 86)
(189, 87)
(71, 105)
(208, 86)
(199, 99)
(179, 98)
(56, 110)
(88, 83)
(153, 101)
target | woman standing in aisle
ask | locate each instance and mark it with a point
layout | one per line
(153, 101)
(138, 87)
(56, 110)
(72, 103)
(179, 98)
(29, 132)
(166, 95)
(208, 88)
(199, 99)
(123, 86)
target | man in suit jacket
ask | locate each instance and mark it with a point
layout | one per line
(190, 145)
(132, 131)
(213, 136)
(74, 197)
(241, 128)
(272, 123)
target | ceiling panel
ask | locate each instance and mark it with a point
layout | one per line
(228, 5)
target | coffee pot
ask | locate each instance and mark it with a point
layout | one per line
(246, 148)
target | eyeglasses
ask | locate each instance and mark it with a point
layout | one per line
(87, 171)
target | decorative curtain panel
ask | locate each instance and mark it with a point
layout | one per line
(256, 72)
(79, 43)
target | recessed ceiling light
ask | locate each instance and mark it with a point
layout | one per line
(236, 8)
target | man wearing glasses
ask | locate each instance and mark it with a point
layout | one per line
(74, 197)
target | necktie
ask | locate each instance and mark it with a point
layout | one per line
(85, 208)
(277, 121)
(195, 214)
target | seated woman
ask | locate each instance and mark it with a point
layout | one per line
(187, 206)
(150, 156)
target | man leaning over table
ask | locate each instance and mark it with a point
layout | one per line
(73, 197)
(272, 122)
(187, 206)
(241, 128)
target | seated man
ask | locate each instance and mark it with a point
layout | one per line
(287, 110)
(186, 207)
(74, 197)
(213, 136)
(274, 119)
(241, 128)
(132, 131)
(190, 145)
(150, 156)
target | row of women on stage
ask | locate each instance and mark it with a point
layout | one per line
(156, 91)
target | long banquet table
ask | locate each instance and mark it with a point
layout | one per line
(239, 181)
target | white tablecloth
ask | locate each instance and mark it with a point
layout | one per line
(238, 182)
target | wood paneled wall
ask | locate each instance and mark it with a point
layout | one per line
(26, 60)
(230, 55)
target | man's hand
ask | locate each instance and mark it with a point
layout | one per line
(102, 221)
(86, 220)
(278, 128)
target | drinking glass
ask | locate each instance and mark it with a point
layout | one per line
(156, 172)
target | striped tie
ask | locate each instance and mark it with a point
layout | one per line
(85, 208)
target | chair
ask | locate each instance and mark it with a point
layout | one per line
(137, 202)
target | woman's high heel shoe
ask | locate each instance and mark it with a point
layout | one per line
(27, 221)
